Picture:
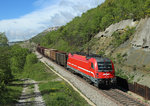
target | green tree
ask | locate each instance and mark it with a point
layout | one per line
(18, 58)
(147, 7)
(15, 66)
(106, 21)
(3, 39)
(2, 80)
(5, 63)
(31, 59)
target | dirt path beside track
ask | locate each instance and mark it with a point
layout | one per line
(31, 95)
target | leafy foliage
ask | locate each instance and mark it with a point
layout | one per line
(12, 60)
(3, 39)
(18, 58)
(31, 59)
(5, 71)
(10, 95)
(147, 7)
(5, 64)
(38, 37)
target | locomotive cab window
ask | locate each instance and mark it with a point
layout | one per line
(104, 66)
(92, 65)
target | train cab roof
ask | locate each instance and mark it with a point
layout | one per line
(98, 58)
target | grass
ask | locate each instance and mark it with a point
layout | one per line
(121, 73)
(60, 94)
(12, 93)
(37, 72)
(54, 92)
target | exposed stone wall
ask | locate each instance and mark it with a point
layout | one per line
(118, 26)
(142, 35)
(51, 29)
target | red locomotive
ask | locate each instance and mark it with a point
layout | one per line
(96, 69)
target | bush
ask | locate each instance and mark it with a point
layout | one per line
(5, 63)
(3, 39)
(147, 7)
(31, 59)
(2, 79)
(29, 67)
(18, 58)
(120, 73)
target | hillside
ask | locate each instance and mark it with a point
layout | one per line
(93, 21)
(37, 38)
(118, 29)
(127, 45)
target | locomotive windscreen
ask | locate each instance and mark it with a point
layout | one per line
(104, 66)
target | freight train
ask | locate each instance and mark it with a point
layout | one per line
(94, 68)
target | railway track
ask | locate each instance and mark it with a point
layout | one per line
(121, 98)
(117, 96)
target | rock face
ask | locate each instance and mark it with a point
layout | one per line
(118, 26)
(51, 29)
(142, 35)
(137, 49)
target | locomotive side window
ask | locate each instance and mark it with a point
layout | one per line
(104, 66)
(92, 65)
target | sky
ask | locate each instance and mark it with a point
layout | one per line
(23, 19)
